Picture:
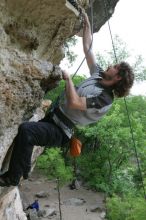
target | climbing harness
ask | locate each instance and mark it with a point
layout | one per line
(126, 106)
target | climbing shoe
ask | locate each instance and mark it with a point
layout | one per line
(4, 180)
(72, 5)
(7, 181)
(25, 176)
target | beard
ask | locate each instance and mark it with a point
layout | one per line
(106, 77)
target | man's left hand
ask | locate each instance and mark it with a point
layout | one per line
(65, 75)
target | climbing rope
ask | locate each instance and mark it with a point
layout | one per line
(126, 106)
(91, 13)
(59, 198)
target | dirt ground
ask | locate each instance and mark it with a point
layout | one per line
(38, 183)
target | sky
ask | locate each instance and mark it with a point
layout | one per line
(128, 22)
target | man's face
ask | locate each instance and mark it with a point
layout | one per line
(110, 76)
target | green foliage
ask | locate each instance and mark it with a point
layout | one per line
(116, 209)
(109, 162)
(98, 175)
(130, 207)
(52, 165)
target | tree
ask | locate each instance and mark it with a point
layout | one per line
(112, 164)
(69, 54)
(130, 207)
(52, 165)
(122, 54)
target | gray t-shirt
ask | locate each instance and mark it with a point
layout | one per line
(98, 98)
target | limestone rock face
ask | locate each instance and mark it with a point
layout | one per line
(102, 11)
(11, 206)
(32, 34)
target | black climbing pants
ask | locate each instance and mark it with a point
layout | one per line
(42, 133)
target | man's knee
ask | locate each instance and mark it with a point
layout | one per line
(27, 131)
(24, 131)
(24, 126)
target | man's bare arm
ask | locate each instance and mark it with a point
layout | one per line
(74, 101)
(87, 42)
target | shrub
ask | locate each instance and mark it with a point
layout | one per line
(128, 208)
(53, 166)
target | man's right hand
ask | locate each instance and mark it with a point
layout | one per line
(86, 22)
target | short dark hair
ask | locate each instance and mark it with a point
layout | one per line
(122, 88)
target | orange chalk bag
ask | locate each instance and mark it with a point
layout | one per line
(75, 147)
